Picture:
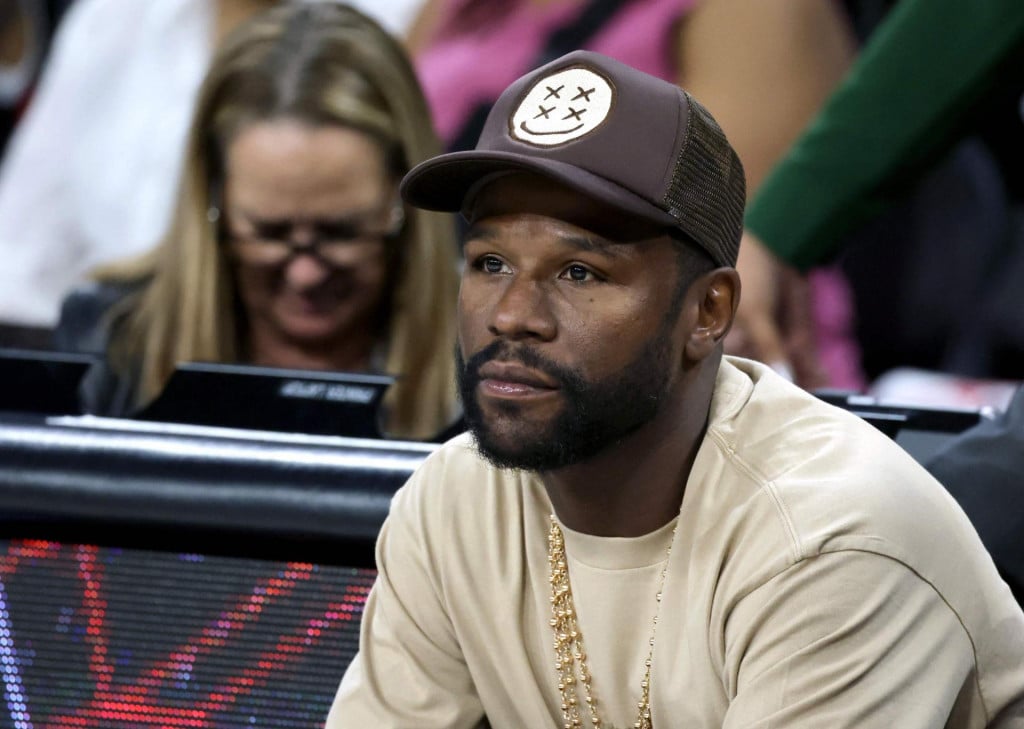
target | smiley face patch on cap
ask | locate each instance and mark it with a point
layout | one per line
(562, 107)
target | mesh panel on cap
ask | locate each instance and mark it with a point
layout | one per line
(708, 191)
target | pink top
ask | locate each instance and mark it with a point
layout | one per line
(483, 46)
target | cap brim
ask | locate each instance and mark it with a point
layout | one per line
(443, 182)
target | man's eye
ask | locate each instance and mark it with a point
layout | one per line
(578, 273)
(491, 264)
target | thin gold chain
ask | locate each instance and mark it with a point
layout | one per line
(570, 654)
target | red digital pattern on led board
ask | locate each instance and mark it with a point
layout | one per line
(142, 700)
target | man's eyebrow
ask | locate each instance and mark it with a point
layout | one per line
(593, 244)
(481, 231)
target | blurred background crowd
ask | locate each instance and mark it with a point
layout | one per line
(217, 180)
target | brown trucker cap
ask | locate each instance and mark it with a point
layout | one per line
(625, 138)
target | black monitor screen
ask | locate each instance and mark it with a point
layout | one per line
(41, 382)
(108, 636)
(268, 398)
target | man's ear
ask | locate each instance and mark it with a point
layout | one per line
(715, 295)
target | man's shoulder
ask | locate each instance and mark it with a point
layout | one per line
(780, 433)
(455, 456)
(456, 483)
(832, 480)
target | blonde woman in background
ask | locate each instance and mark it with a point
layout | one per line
(93, 164)
(289, 246)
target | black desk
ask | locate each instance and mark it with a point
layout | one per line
(167, 475)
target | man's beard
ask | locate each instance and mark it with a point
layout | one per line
(594, 416)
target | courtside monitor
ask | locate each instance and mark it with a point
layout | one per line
(41, 381)
(921, 431)
(268, 398)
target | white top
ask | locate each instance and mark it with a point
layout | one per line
(91, 173)
(819, 579)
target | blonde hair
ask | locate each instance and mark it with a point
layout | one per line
(321, 63)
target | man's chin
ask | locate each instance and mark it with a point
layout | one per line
(528, 449)
(505, 457)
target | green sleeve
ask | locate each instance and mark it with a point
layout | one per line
(901, 105)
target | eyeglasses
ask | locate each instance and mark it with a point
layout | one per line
(336, 243)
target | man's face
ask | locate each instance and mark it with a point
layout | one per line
(569, 330)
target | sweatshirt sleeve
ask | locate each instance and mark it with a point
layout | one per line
(409, 670)
(849, 640)
(902, 104)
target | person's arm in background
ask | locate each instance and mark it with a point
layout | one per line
(764, 69)
(903, 103)
(905, 100)
(423, 25)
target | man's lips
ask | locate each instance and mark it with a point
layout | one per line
(514, 380)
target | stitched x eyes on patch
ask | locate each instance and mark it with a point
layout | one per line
(562, 107)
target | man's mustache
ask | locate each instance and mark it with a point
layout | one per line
(506, 352)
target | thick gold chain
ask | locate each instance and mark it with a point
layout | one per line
(570, 653)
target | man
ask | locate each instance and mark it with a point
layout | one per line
(638, 531)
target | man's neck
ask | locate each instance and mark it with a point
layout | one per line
(637, 485)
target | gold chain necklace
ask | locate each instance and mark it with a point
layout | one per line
(569, 650)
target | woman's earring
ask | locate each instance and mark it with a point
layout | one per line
(213, 213)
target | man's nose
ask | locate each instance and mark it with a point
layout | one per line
(523, 311)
